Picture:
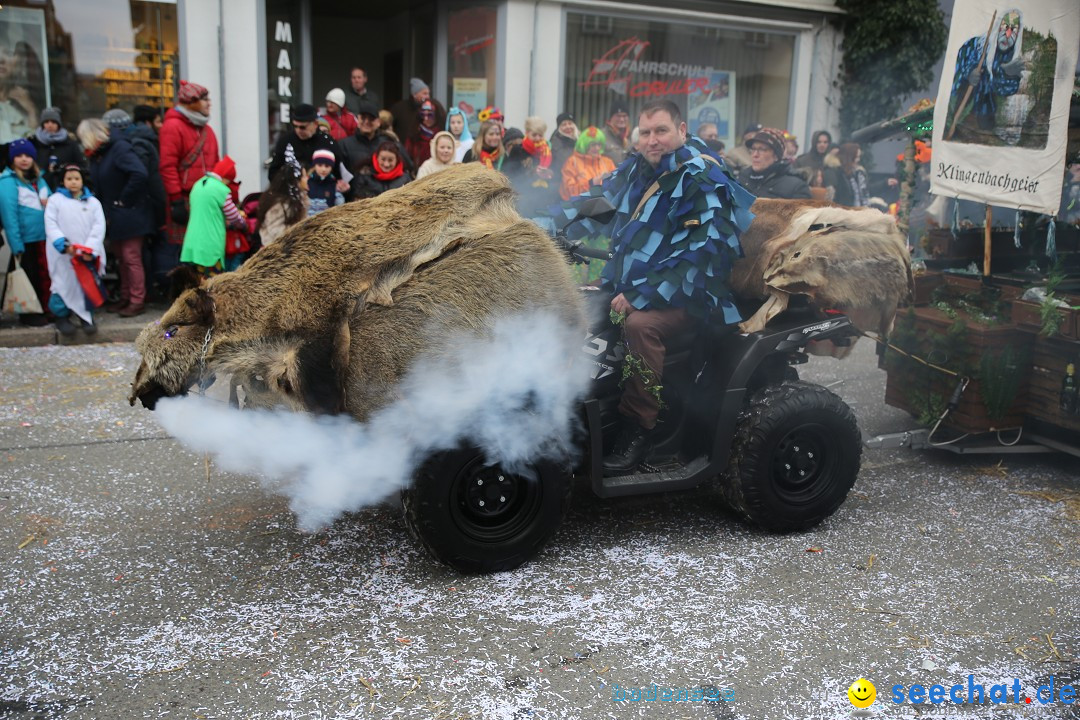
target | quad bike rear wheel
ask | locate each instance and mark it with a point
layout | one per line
(480, 518)
(795, 456)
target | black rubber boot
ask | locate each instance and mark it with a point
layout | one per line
(631, 447)
(65, 327)
(89, 327)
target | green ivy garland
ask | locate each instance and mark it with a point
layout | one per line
(634, 365)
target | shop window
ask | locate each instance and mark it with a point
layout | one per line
(85, 58)
(471, 68)
(714, 74)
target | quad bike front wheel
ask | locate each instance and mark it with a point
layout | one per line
(795, 456)
(480, 518)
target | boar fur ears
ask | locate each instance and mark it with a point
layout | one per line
(202, 304)
(181, 278)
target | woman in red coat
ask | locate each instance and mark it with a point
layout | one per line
(189, 150)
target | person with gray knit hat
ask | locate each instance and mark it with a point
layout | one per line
(116, 119)
(55, 148)
(50, 114)
(406, 112)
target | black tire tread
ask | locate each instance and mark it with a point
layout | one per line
(768, 408)
(426, 534)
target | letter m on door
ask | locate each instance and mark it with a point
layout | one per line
(283, 32)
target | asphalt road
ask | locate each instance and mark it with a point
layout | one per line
(137, 583)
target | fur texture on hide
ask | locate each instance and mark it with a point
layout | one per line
(849, 259)
(331, 316)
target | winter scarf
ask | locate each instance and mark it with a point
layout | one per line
(426, 132)
(195, 118)
(492, 158)
(51, 138)
(394, 174)
(540, 150)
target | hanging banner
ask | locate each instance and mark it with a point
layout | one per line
(1002, 109)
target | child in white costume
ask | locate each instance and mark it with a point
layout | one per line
(72, 217)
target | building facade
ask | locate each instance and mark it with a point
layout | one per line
(730, 63)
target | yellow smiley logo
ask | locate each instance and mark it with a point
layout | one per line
(862, 693)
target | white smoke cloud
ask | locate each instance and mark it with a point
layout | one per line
(514, 395)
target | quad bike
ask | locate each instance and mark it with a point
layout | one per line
(782, 453)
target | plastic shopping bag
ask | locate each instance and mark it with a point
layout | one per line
(20, 297)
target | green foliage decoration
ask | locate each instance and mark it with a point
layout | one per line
(634, 365)
(928, 388)
(999, 379)
(890, 50)
(1050, 316)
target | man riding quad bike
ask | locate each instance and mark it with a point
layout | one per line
(680, 397)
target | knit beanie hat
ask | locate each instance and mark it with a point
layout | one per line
(769, 136)
(51, 113)
(303, 113)
(564, 116)
(590, 135)
(366, 107)
(22, 146)
(336, 96)
(225, 168)
(190, 92)
(427, 108)
(416, 85)
(618, 106)
(326, 157)
(116, 119)
(145, 113)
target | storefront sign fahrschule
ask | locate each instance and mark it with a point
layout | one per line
(618, 69)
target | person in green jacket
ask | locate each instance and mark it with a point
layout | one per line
(212, 209)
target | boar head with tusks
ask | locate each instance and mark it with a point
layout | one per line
(330, 317)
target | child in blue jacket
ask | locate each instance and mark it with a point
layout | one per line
(23, 194)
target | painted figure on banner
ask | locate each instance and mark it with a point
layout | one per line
(1003, 85)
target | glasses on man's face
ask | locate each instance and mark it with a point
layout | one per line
(760, 149)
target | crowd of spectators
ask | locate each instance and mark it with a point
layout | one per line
(167, 197)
